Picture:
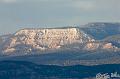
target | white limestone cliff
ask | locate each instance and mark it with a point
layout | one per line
(42, 39)
(28, 40)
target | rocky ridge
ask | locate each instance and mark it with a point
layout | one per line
(29, 40)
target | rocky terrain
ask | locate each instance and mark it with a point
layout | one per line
(27, 41)
(63, 46)
(101, 30)
(114, 39)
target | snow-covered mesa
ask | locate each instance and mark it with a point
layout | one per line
(27, 40)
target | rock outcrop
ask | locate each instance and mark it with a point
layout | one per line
(31, 40)
(99, 45)
(42, 39)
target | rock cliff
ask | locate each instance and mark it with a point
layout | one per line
(42, 39)
(31, 40)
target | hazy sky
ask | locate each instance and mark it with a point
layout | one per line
(17, 14)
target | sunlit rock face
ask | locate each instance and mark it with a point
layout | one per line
(92, 46)
(99, 45)
(27, 40)
(109, 46)
(48, 37)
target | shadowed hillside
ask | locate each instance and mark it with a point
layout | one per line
(101, 30)
(27, 70)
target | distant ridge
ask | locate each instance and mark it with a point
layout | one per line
(24, 70)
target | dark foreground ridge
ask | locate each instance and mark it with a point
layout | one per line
(28, 70)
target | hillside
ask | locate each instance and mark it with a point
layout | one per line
(70, 57)
(114, 39)
(101, 30)
(27, 70)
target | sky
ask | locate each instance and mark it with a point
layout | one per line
(19, 14)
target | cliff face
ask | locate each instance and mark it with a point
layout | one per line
(49, 37)
(41, 39)
(31, 40)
